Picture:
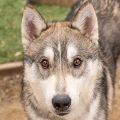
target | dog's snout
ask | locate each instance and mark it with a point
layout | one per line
(61, 102)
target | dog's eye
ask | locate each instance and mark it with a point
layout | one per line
(45, 63)
(77, 62)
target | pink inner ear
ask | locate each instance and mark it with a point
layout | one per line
(87, 27)
(31, 30)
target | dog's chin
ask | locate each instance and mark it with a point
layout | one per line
(62, 113)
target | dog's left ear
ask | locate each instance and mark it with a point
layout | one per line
(86, 22)
(32, 25)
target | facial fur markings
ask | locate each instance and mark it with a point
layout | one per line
(71, 52)
(49, 53)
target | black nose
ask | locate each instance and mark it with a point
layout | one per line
(61, 102)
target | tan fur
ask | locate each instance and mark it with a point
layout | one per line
(83, 84)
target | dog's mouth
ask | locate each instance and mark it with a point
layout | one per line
(62, 113)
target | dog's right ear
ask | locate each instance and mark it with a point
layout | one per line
(32, 25)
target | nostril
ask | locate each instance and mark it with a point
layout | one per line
(61, 102)
(66, 104)
(57, 105)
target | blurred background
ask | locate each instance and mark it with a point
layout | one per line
(11, 53)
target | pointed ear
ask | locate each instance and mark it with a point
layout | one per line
(32, 25)
(86, 22)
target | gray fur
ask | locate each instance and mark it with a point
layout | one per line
(109, 27)
(103, 56)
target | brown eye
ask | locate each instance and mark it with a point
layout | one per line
(77, 62)
(45, 63)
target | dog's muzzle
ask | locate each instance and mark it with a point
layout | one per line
(61, 103)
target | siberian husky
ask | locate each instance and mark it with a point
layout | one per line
(69, 67)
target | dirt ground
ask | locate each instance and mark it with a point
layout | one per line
(10, 103)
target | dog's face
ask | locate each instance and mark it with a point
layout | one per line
(62, 64)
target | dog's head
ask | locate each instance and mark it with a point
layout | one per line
(61, 60)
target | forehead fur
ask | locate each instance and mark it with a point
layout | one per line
(62, 33)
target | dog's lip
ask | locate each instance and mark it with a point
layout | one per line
(62, 113)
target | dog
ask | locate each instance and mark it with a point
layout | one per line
(69, 66)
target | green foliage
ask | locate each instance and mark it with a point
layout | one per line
(10, 23)
(53, 13)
